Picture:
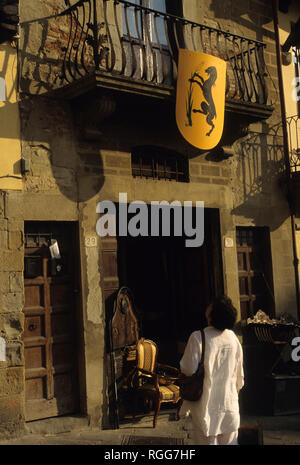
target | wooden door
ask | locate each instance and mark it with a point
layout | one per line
(50, 322)
(254, 271)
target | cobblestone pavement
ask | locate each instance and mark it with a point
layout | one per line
(283, 430)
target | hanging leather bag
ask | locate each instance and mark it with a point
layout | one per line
(191, 387)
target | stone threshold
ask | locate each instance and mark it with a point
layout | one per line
(57, 425)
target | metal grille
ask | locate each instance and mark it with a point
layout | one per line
(158, 163)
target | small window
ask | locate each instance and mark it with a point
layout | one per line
(158, 163)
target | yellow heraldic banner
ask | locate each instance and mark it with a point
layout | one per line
(200, 100)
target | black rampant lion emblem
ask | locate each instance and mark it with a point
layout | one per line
(207, 106)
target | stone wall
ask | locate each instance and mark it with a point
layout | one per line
(11, 318)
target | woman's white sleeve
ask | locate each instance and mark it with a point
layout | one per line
(191, 357)
(240, 370)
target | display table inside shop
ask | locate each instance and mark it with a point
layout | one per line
(272, 378)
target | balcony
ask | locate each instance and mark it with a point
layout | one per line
(291, 183)
(124, 47)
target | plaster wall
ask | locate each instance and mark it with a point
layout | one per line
(10, 147)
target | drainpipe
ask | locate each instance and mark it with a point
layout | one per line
(286, 150)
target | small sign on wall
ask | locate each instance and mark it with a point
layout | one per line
(228, 242)
(91, 241)
(2, 350)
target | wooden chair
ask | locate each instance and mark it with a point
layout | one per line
(153, 382)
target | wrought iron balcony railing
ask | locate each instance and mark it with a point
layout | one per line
(293, 132)
(293, 127)
(139, 44)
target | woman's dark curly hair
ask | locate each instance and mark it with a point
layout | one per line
(223, 314)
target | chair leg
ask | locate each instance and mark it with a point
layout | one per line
(157, 409)
(178, 409)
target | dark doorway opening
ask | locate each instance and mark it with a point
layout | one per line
(172, 284)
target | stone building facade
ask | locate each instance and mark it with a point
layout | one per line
(82, 142)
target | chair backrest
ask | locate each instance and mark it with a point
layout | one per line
(124, 325)
(146, 354)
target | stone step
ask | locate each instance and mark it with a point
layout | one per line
(63, 424)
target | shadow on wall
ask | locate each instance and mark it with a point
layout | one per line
(59, 160)
(261, 165)
(230, 9)
(82, 179)
(39, 57)
(57, 49)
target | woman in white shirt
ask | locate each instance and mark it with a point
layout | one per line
(216, 417)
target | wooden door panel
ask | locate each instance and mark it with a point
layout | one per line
(34, 295)
(62, 354)
(62, 385)
(34, 326)
(35, 357)
(60, 323)
(60, 294)
(49, 331)
(49, 407)
(35, 388)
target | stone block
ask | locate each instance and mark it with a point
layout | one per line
(12, 409)
(115, 161)
(221, 182)
(200, 179)
(14, 205)
(15, 240)
(11, 381)
(12, 324)
(14, 353)
(4, 282)
(110, 172)
(210, 170)
(3, 239)
(125, 172)
(15, 225)
(16, 282)
(41, 154)
(194, 169)
(226, 172)
(11, 260)
(11, 302)
(12, 429)
(3, 224)
(2, 204)
(49, 208)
